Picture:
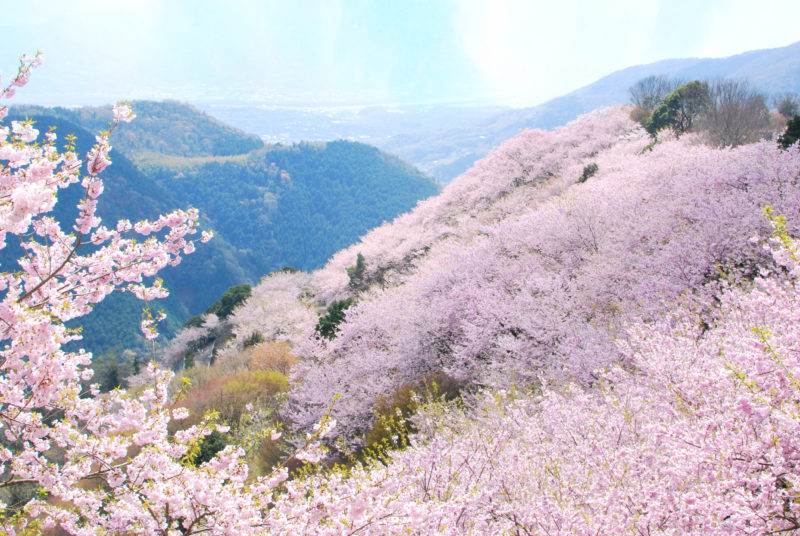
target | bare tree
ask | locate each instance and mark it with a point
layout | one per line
(787, 104)
(737, 114)
(648, 92)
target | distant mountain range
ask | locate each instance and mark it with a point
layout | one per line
(269, 206)
(772, 71)
(446, 141)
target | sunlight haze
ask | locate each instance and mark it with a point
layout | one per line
(508, 52)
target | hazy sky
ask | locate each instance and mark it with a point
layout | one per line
(365, 52)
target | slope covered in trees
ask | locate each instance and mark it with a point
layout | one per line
(301, 203)
(694, 433)
(162, 127)
(127, 194)
(530, 267)
(727, 113)
(618, 318)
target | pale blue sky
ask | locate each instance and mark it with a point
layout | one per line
(367, 52)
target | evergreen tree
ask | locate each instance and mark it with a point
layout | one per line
(792, 133)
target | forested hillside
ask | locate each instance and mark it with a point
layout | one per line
(269, 207)
(127, 194)
(533, 261)
(294, 205)
(771, 72)
(161, 127)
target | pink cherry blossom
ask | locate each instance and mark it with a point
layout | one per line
(629, 352)
(145, 490)
(123, 113)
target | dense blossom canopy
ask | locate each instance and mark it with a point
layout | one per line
(696, 434)
(99, 464)
(519, 271)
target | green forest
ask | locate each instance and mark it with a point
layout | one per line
(269, 207)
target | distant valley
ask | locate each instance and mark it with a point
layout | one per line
(444, 141)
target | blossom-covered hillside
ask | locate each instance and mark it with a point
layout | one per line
(697, 433)
(531, 266)
(621, 324)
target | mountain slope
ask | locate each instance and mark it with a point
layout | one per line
(294, 205)
(320, 199)
(772, 71)
(445, 141)
(530, 266)
(130, 194)
(168, 127)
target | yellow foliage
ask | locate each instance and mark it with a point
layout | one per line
(393, 413)
(245, 390)
(271, 355)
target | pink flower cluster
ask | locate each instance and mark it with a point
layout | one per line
(659, 339)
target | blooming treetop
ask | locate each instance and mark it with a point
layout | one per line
(697, 434)
(694, 431)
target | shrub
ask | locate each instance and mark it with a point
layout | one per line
(393, 413)
(787, 104)
(232, 394)
(792, 133)
(230, 299)
(195, 321)
(198, 376)
(268, 455)
(356, 274)
(680, 108)
(641, 116)
(736, 114)
(648, 92)
(588, 171)
(188, 359)
(255, 338)
(210, 445)
(328, 324)
(271, 356)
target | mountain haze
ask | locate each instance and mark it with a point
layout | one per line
(166, 127)
(460, 135)
(771, 71)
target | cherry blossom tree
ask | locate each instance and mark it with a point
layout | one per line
(101, 464)
(278, 308)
